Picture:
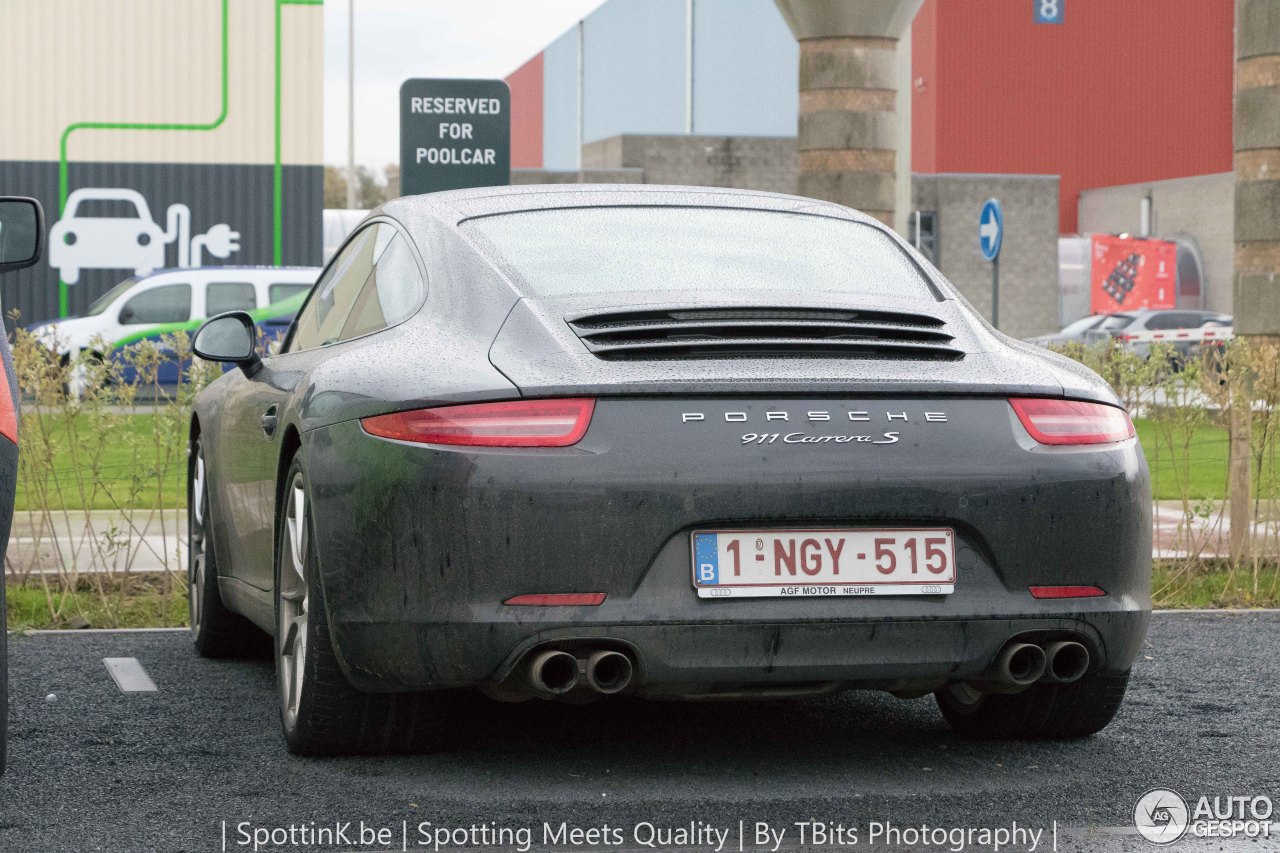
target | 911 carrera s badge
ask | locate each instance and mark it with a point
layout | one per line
(889, 437)
(774, 416)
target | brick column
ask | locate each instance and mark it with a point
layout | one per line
(1257, 142)
(848, 124)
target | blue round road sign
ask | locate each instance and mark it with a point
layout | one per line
(991, 229)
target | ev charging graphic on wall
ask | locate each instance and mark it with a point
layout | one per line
(165, 135)
(129, 238)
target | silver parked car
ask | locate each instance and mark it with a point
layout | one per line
(1129, 327)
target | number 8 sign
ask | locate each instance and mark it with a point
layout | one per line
(1048, 11)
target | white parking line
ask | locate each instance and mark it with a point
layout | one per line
(129, 675)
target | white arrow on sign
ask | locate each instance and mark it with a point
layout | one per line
(989, 229)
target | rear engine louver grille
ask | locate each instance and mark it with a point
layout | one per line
(764, 333)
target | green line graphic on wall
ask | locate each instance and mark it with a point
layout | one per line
(277, 200)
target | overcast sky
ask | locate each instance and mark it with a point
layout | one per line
(398, 39)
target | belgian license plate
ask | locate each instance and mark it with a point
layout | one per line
(799, 563)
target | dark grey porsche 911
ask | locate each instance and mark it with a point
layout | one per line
(667, 442)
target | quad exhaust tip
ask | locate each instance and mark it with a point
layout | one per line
(1017, 667)
(1021, 663)
(1066, 661)
(552, 673)
(608, 672)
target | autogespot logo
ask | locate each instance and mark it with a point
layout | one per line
(1161, 816)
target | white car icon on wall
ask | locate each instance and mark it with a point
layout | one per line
(127, 238)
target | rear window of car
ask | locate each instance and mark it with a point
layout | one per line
(281, 291)
(1176, 320)
(1117, 321)
(615, 249)
(223, 296)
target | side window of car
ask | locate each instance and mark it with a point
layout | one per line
(169, 303)
(322, 318)
(391, 294)
(223, 296)
(1174, 320)
(280, 291)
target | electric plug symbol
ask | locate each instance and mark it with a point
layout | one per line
(220, 241)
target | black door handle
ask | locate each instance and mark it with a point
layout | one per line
(269, 421)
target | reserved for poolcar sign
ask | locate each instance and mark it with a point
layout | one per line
(454, 134)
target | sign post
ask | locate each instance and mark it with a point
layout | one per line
(990, 236)
(454, 134)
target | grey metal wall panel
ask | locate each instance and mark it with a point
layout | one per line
(238, 195)
(560, 149)
(745, 69)
(634, 68)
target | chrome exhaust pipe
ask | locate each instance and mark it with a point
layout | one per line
(552, 673)
(1066, 661)
(1017, 667)
(609, 672)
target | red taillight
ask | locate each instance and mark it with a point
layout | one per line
(1072, 421)
(515, 423)
(557, 599)
(1066, 592)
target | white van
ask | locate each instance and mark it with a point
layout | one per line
(179, 299)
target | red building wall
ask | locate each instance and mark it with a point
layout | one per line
(1123, 91)
(526, 115)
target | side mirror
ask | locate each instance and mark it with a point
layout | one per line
(229, 337)
(21, 232)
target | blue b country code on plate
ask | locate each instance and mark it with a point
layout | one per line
(706, 555)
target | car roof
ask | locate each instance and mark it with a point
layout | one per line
(459, 205)
(217, 270)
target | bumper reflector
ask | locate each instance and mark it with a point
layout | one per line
(1066, 592)
(557, 599)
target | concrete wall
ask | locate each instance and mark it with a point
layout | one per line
(521, 177)
(1201, 207)
(747, 162)
(1028, 258)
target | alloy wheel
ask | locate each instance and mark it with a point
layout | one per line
(196, 544)
(291, 627)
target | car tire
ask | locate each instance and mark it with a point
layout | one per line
(320, 712)
(215, 630)
(1044, 711)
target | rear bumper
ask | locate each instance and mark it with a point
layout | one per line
(419, 546)
(718, 657)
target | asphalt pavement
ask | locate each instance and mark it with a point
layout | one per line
(92, 768)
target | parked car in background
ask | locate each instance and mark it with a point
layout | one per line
(1073, 333)
(172, 300)
(1183, 329)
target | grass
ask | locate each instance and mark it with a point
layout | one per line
(157, 600)
(1202, 464)
(141, 600)
(1213, 584)
(121, 458)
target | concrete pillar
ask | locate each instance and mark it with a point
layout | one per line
(849, 75)
(1257, 142)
